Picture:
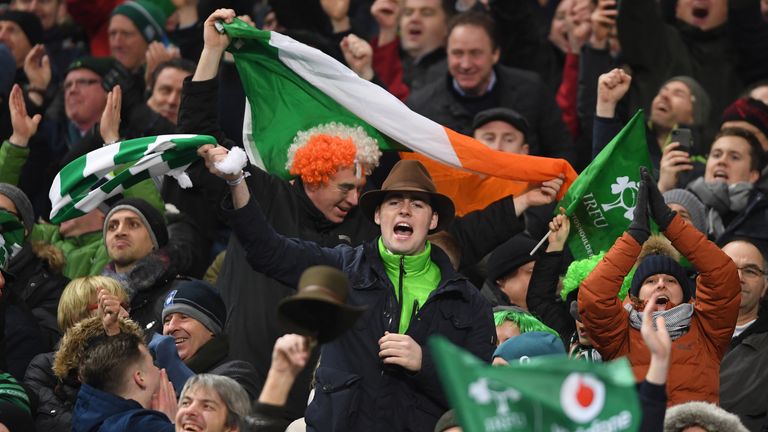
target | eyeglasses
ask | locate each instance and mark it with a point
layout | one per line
(81, 82)
(751, 272)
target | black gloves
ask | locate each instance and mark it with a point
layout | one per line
(639, 228)
(660, 211)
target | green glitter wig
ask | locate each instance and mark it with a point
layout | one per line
(580, 269)
(525, 321)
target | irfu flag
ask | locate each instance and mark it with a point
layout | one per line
(291, 87)
(89, 180)
(602, 200)
(546, 394)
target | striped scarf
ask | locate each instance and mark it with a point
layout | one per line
(89, 180)
(677, 320)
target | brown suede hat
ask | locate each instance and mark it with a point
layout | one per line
(319, 309)
(410, 176)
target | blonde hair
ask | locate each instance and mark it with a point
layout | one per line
(79, 294)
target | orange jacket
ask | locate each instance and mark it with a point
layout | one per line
(694, 372)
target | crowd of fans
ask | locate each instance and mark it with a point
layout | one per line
(172, 308)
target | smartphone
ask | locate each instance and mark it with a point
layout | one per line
(684, 137)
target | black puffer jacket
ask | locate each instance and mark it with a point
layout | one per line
(56, 398)
(38, 286)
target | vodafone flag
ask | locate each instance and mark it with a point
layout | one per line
(544, 394)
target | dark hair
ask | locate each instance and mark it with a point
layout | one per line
(105, 362)
(756, 153)
(176, 63)
(476, 19)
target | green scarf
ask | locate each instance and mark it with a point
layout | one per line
(420, 278)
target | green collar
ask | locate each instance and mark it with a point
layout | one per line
(414, 264)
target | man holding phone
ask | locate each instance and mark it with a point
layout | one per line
(680, 103)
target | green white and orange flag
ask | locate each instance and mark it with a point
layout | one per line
(554, 394)
(292, 87)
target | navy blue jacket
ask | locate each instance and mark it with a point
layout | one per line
(96, 410)
(354, 390)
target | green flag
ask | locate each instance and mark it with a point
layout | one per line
(11, 237)
(601, 201)
(546, 394)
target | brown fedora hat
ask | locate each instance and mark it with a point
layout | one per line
(410, 176)
(319, 308)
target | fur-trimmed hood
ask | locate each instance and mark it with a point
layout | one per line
(77, 339)
(707, 415)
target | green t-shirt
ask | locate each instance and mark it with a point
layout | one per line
(421, 277)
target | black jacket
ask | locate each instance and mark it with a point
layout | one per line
(742, 375)
(56, 398)
(656, 51)
(517, 89)
(148, 282)
(213, 358)
(542, 298)
(354, 390)
(38, 288)
(252, 324)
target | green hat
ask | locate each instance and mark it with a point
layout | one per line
(11, 237)
(149, 18)
(98, 65)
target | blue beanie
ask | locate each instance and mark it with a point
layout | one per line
(531, 344)
(660, 264)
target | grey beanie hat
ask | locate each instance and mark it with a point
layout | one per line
(152, 219)
(695, 208)
(703, 414)
(23, 206)
(701, 102)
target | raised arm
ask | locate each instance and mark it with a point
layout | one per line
(278, 257)
(599, 306)
(541, 298)
(478, 233)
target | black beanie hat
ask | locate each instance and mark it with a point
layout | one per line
(198, 300)
(152, 219)
(98, 65)
(29, 23)
(660, 264)
(510, 256)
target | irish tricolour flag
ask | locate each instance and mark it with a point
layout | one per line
(291, 87)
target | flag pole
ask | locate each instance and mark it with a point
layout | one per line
(541, 242)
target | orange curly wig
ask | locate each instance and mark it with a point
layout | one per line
(318, 160)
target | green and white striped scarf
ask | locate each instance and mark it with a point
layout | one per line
(11, 237)
(89, 180)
